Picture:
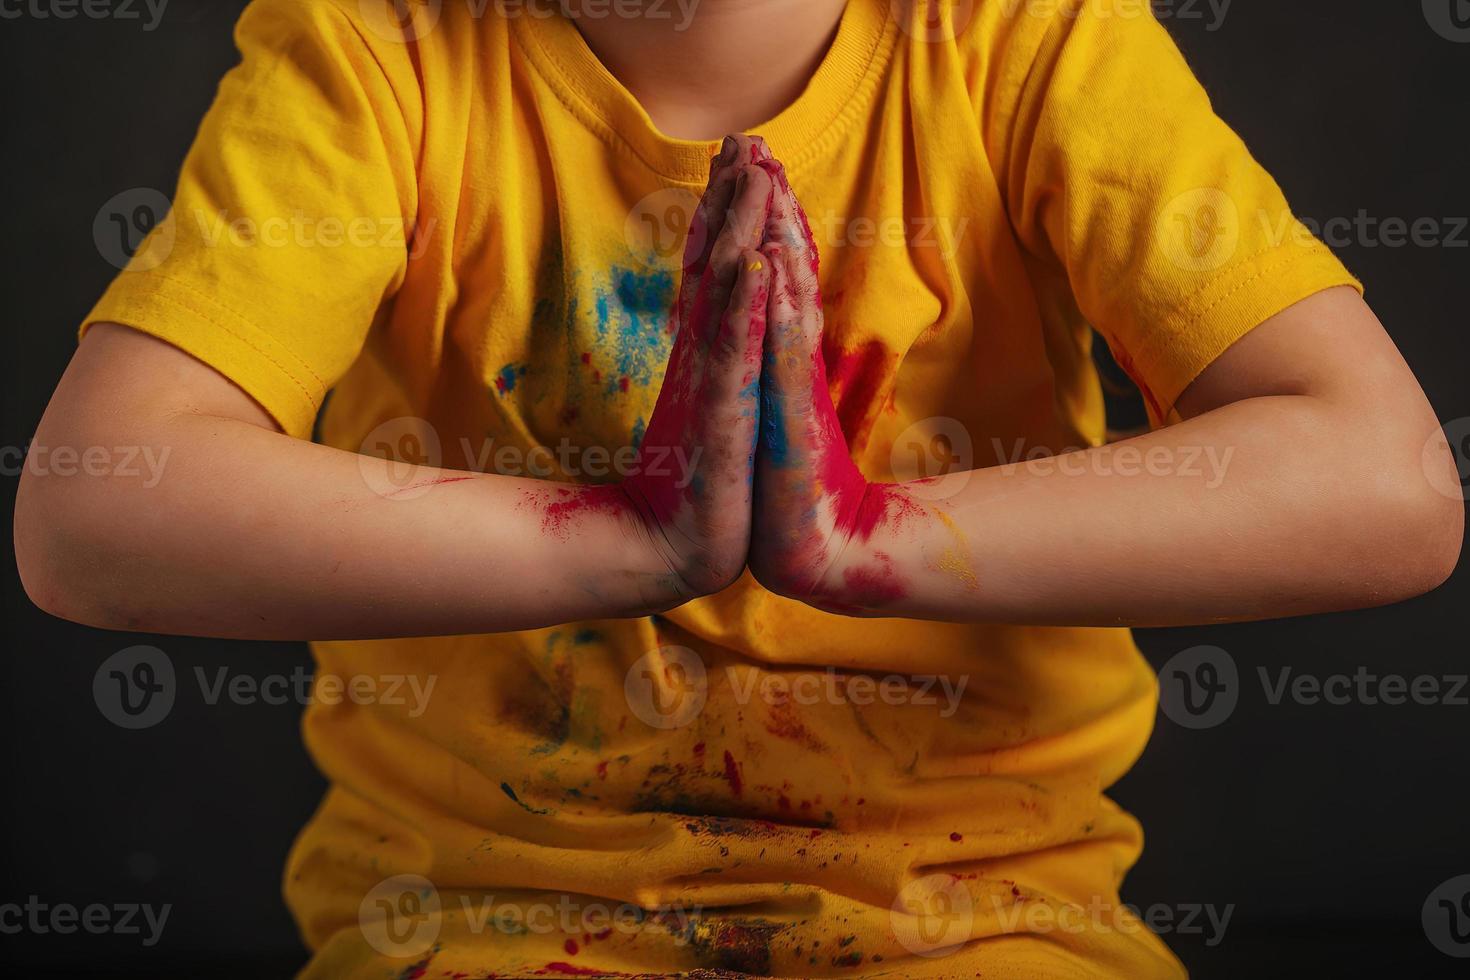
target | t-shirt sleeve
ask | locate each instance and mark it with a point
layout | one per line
(1174, 240)
(291, 224)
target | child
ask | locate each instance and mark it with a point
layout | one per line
(637, 758)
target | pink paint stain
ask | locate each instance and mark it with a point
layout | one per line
(732, 774)
(561, 508)
(575, 971)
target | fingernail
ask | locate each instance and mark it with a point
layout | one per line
(727, 150)
(755, 266)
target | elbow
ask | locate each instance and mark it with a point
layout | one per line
(50, 554)
(1422, 522)
(1441, 527)
(35, 535)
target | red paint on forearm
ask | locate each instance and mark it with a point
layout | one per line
(562, 507)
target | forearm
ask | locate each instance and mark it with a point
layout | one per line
(1265, 507)
(249, 533)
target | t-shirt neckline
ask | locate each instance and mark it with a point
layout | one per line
(803, 129)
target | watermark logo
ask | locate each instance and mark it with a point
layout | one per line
(926, 20)
(135, 688)
(667, 688)
(401, 916)
(1199, 687)
(933, 915)
(662, 224)
(42, 918)
(1212, 12)
(1446, 917)
(1450, 19)
(144, 463)
(405, 21)
(1199, 230)
(936, 452)
(1364, 230)
(125, 224)
(1101, 915)
(1455, 436)
(406, 445)
(1124, 460)
(89, 9)
(1363, 687)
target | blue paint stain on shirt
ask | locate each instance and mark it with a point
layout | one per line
(505, 788)
(632, 326)
(640, 427)
(505, 381)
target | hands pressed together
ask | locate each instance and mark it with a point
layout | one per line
(745, 397)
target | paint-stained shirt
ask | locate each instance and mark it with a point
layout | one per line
(463, 227)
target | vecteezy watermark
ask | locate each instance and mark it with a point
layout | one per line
(392, 456)
(1453, 482)
(300, 230)
(830, 686)
(137, 230)
(1450, 19)
(407, 21)
(1363, 687)
(124, 462)
(401, 917)
(1199, 230)
(661, 224)
(1101, 915)
(65, 919)
(932, 916)
(137, 688)
(832, 230)
(1446, 917)
(1199, 687)
(125, 10)
(934, 457)
(668, 688)
(1364, 230)
(1213, 12)
(1207, 463)
(126, 224)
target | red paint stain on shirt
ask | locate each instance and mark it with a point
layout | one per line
(732, 774)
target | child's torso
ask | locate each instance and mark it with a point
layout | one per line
(744, 749)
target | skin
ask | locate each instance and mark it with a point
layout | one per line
(728, 68)
(1328, 503)
(1329, 500)
(317, 549)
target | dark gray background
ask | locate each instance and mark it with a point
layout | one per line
(1326, 827)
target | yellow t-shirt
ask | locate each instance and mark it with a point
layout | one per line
(467, 221)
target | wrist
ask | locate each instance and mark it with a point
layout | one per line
(670, 571)
(868, 573)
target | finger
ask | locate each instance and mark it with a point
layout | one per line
(757, 151)
(743, 231)
(788, 224)
(732, 375)
(794, 324)
(736, 151)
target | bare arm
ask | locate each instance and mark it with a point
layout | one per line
(251, 533)
(1299, 482)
